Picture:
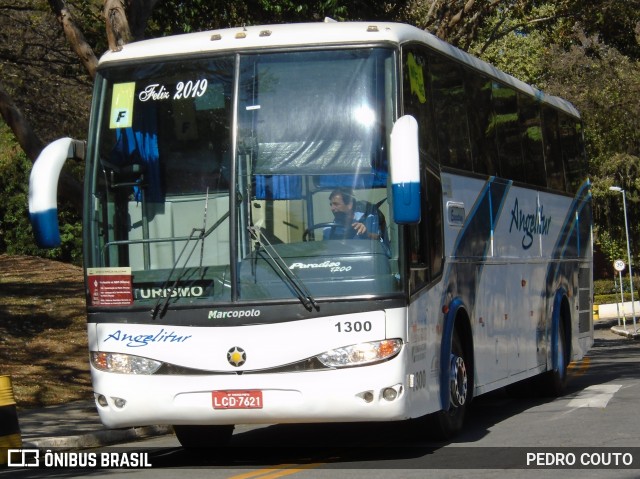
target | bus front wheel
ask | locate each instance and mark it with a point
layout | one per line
(447, 424)
(194, 437)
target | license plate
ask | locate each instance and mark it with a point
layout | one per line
(251, 399)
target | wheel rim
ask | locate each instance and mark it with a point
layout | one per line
(459, 381)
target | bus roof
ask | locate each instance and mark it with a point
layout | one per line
(328, 33)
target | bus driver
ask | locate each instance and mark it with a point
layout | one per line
(350, 223)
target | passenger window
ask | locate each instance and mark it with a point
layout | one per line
(450, 113)
(417, 102)
(531, 131)
(482, 134)
(572, 155)
(552, 149)
(507, 128)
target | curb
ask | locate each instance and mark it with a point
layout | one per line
(626, 332)
(100, 438)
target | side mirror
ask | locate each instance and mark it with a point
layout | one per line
(43, 189)
(405, 170)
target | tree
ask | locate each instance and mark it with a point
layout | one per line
(604, 84)
(33, 58)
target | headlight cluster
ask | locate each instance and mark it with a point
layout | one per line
(347, 356)
(361, 354)
(123, 363)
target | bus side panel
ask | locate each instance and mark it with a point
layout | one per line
(508, 274)
(423, 352)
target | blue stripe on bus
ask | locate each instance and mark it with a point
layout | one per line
(45, 228)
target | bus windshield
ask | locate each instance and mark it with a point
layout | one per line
(247, 177)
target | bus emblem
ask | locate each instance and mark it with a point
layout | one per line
(236, 356)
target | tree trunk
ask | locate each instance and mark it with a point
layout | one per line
(115, 18)
(74, 36)
(30, 143)
(139, 13)
(69, 188)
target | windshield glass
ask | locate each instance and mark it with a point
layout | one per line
(283, 197)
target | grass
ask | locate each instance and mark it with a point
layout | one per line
(43, 339)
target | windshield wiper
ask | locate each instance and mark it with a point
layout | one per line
(199, 234)
(284, 272)
(165, 304)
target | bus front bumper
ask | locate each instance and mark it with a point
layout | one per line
(372, 393)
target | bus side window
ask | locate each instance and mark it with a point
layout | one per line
(552, 149)
(450, 113)
(482, 135)
(416, 99)
(426, 237)
(507, 131)
(573, 159)
(532, 147)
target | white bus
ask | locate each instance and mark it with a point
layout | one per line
(222, 289)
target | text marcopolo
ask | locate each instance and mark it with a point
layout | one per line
(236, 313)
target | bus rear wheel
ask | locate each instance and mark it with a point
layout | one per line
(194, 437)
(447, 424)
(553, 383)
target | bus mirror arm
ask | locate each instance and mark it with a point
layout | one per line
(43, 189)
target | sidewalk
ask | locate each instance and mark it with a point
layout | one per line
(629, 331)
(76, 425)
(610, 316)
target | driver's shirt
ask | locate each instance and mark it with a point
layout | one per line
(342, 232)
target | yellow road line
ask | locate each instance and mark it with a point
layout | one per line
(271, 473)
(579, 368)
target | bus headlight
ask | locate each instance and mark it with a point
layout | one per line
(123, 363)
(361, 354)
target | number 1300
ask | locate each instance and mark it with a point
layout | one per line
(353, 326)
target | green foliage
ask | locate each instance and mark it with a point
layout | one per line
(16, 235)
(612, 286)
(170, 18)
(611, 247)
(518, 51)
(613, 298)
(607, 291)
(604, 85)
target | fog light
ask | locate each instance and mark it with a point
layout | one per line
(389, 394)
(368, 396)
(119, 402)
(102, 401)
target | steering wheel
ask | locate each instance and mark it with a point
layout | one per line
(308, 233)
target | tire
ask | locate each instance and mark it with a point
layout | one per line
(554, 383)
(447, 424)
(195, 437)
